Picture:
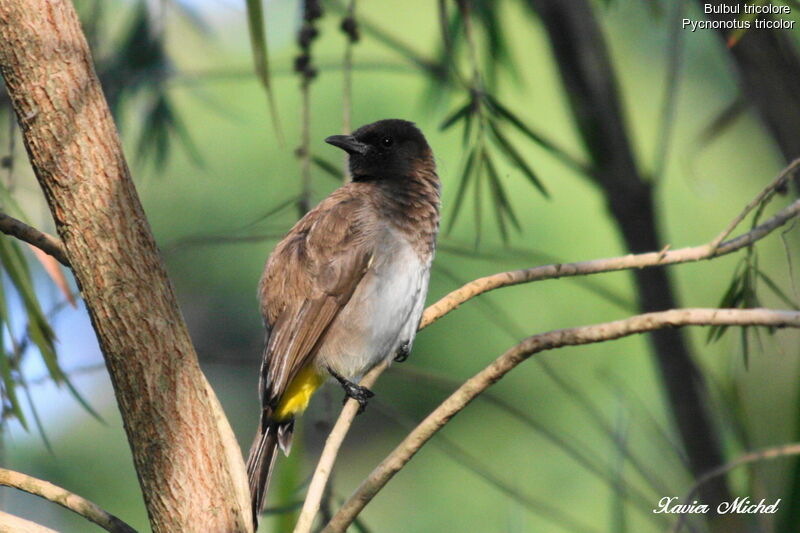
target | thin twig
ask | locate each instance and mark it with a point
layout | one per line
(319, 480)
(782, 178)
(752, 457)
(627, 262)
(64, 498)
(470, 389)
(44, 241)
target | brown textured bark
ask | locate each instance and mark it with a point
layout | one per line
(189, 465)
(582, 57)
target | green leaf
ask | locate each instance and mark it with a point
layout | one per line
(9, 384)
(778, 291)
(327, 167)
(745, 346)
(10, 389)
(160, 124)
(503, 207)
(514, 156)
(37, 420)
(498, 205)
(38, 330)
(258, 42)
(477, 207)
(38, 327)
(466, 176)
(721, 123)
(360, 526)
(731, 299)
(455, 116)
(506, 114)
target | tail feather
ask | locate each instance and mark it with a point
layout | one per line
(259, 466)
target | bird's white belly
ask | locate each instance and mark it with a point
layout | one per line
(382, 314)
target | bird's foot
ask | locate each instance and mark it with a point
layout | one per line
(356, 392)
(402, 353)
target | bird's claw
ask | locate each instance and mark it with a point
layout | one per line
(356, 392)
(402, 353)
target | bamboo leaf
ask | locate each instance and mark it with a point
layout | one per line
(494, 178)
(37, 420)
(455, 116)
(514, 156)
(506, 114)
(463, 184)
(477, 209)
(778, 291)
(731, 299)
(9, 384)
(499, 209)
(258, 42)
(326, 167)
(39, 329)
(10, 389)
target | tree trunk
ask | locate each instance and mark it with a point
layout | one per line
(188, 462)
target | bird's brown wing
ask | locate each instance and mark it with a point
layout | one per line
(309, 278)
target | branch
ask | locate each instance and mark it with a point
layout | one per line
(44, 241)
(64, 498)
(316, 488)
(650, 259)
(762, 197)
(470, 389)
(9, 522)
(752, 457)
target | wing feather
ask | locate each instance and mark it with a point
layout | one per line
(309, 278)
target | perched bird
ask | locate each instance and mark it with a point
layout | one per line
(345, 289)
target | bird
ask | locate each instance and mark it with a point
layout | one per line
(345, 289)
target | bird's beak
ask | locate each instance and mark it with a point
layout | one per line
(348, 143)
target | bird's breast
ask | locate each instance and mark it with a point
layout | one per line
(384, 311)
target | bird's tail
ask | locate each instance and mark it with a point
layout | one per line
(263, 452)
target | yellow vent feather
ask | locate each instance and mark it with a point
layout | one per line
(298, 394)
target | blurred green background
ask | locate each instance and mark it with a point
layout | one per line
(488, 471)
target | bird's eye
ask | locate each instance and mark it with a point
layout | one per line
(387, 142)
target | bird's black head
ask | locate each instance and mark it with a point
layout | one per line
(385, 150)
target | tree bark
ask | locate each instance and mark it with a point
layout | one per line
(188, 462)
